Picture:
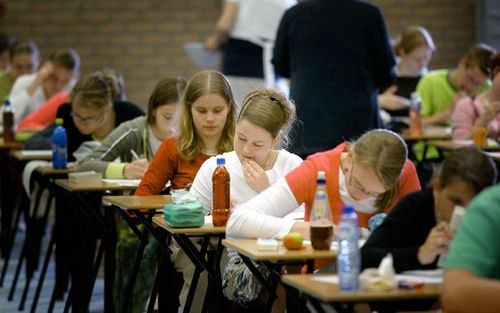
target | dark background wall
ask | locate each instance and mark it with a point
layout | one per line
(144, 39)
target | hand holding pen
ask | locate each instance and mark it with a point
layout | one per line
(137, 168)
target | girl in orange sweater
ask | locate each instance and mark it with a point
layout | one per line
(371, 174)
(206, 128)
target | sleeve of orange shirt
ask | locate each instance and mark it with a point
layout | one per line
(45, 114)
(160, 171)
(302, 182)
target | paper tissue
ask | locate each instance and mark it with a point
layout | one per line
(381, 278)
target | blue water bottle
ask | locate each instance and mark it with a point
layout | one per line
(349, 256)
(59, 145)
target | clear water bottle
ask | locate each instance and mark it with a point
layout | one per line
(349, 257)
(8, 121)
(59, 145)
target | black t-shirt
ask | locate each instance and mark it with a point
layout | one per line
(402, 233)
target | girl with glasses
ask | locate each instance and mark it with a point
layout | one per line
(143, 135)
(371, 174)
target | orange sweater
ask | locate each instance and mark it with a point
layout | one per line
(301, 182)
(166, 166)
(45, 114)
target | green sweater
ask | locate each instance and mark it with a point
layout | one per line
(476, 246)
(436, 92)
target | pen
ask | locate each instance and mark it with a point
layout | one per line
(134, 154)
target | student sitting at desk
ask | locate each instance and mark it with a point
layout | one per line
(263, 123)
(441, 89)
(472, 276)
(91, 115)
(417, 230)
(414, 49)
(207, 123)
(142, 135)
(24, 59)
(30, 91)
(481, 111)
(371, 174)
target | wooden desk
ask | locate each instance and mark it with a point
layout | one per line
(274, 261)
(429, 133)
(329, 292)
(138, 202)
(48, 170)
(198, 255)
(10, 145)
(456, 144)
(248, 248)
(98, 186)
(205, 229)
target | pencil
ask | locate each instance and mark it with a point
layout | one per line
(134, 155)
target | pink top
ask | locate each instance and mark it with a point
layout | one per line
(466, 112)
(45, 114)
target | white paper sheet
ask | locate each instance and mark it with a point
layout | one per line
(123, 182)
(41, 153)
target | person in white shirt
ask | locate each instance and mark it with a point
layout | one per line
(263, 125)
(58, 74)
(246, 30)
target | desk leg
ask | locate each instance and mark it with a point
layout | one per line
(199, 262)
(109, 260)
(143, 237)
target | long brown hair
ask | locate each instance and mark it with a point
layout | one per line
(411, 38)
(202, 84)
(167, 90)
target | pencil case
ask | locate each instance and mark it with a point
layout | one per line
(189, 214)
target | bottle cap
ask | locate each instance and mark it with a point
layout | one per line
(321, 176)
(6, 102)
(347, 209)
(221, 161)
(59, 121)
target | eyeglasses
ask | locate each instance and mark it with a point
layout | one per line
(77, 118)
(356, 185)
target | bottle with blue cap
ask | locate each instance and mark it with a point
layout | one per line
(8, 121)
(221, 201)
(59, 146)
(349, 256)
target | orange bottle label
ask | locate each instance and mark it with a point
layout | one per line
(480, 137)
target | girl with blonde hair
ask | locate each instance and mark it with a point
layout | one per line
(371, 174)
(413, 49)
(206, 129)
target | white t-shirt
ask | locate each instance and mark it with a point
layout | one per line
(240, 191)
(25, 104)
(258, 20)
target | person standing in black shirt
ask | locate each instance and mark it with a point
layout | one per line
(337, 56)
